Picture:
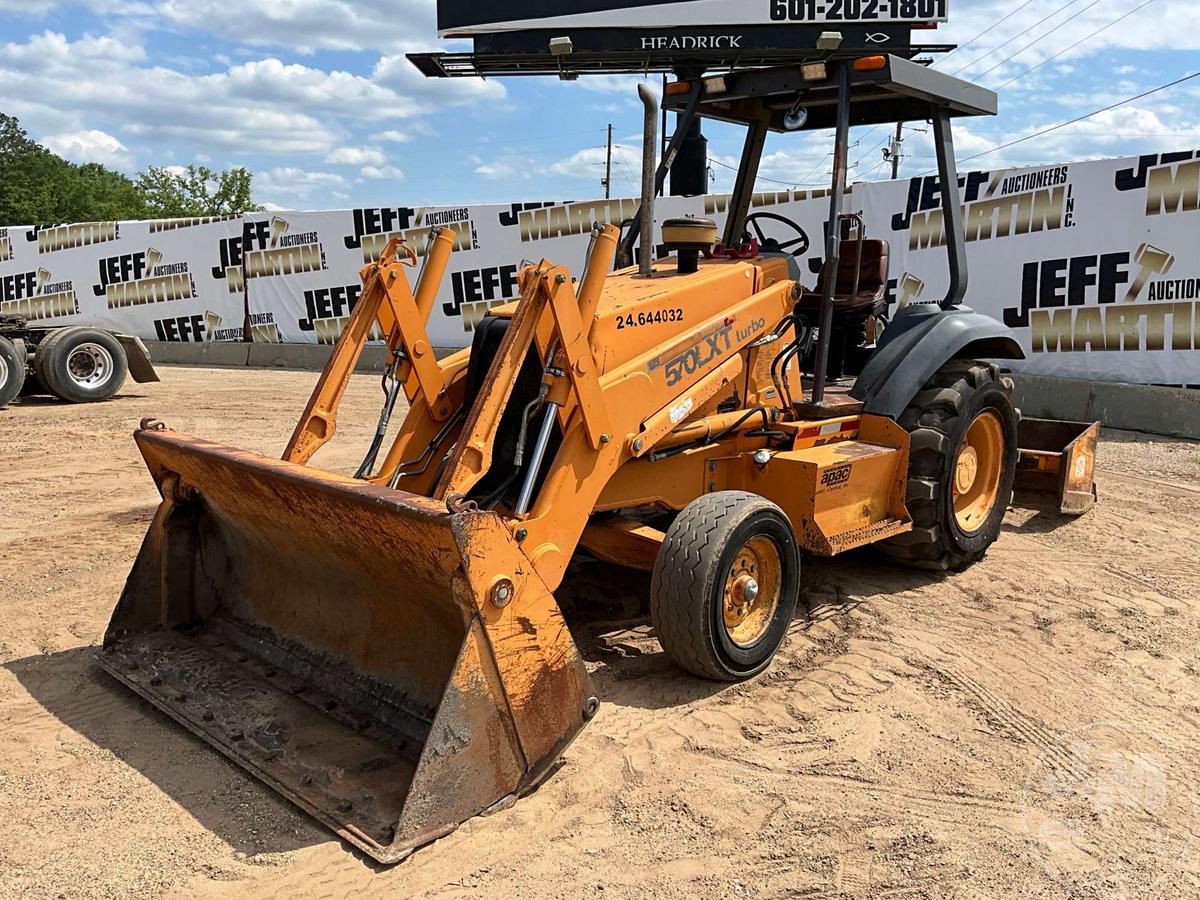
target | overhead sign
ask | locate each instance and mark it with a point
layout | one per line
(470, 18)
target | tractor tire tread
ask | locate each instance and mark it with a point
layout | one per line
(687, 555)
(932, 419)
(13, 361)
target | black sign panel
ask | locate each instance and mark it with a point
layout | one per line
(711, 41)
(469, 18)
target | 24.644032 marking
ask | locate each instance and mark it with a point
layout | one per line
(649, 318)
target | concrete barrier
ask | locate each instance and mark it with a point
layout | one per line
(298, 357)
(1132, 407)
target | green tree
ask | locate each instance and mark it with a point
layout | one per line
(39, 188)
(196, 191)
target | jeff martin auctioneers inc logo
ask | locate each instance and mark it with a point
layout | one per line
(375, 227)
(1133, 300)
(36, 295)
(141, 279)
(1171, 182)
(267, 248)
(995, 205)
(55, 238)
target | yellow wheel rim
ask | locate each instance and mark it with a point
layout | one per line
(977, 471)
(752, 590)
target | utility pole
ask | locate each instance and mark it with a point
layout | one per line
(895, 151)
(608, 167)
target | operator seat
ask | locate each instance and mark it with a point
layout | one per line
(855, 313)
(872, 281)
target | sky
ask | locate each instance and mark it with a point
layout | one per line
(317, 99)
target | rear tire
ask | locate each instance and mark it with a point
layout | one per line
(725, 586)
(962, 464)
(81, 365)
(12, 371)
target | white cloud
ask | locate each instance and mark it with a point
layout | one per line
(398, 74)
(590, 163)
(90, 146)
(356, 156)
(625, 85)
(262, 106)
(308, 25)
(496, 171)
(1160, 27)
(381, 173)
(291, 180)
(395, 137)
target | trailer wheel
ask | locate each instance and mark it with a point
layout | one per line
(81, 365)
(725, 585)
(962, 465)
(12, 371)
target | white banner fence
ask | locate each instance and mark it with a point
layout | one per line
(1095, 265)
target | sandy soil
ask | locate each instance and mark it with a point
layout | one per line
(1028, 728)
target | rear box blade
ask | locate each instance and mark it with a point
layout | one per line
(1057, 465)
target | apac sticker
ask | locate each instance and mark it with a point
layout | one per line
(837, 477)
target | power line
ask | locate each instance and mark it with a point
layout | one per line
(1021, 34)
(879, 165)
(1023, 49)
(788, 184)
(1076, 121)
(986, 31)
(1071, 18)
(1078, 42)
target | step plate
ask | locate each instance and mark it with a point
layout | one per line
(868, 534)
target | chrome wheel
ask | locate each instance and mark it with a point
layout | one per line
(90, 366)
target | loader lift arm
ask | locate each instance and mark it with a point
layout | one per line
(387, 302)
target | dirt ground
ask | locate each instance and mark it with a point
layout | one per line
(1030, 727)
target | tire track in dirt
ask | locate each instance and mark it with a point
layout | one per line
(882, 755)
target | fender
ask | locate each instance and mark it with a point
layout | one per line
(918, 342)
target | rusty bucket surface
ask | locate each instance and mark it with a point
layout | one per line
(390, 666)
(1057, 465)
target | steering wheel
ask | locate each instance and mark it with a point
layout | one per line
(773, 245)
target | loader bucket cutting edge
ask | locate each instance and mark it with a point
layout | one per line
(336, 639)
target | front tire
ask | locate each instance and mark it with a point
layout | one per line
(725, 586)
(81, 365)
(962, 463)
(12, 371)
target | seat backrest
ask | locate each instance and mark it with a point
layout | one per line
(874, 273)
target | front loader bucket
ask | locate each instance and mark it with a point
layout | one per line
(392, 667)
(1057, 465)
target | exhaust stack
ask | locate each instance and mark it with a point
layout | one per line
(649, 168)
